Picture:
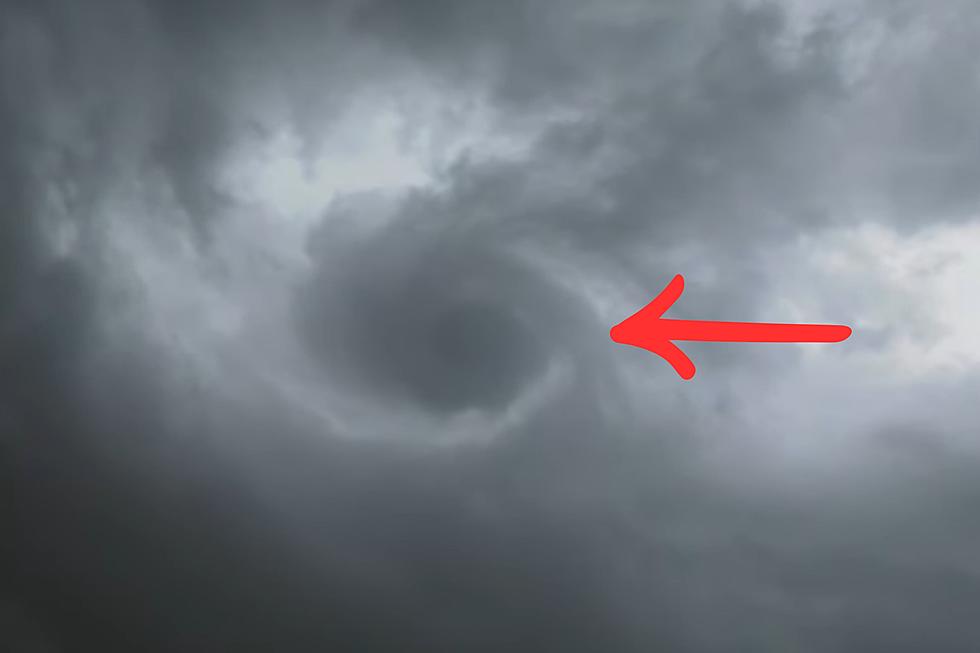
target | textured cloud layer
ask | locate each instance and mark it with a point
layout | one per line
(304, 316)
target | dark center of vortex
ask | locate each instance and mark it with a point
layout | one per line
(473, 356)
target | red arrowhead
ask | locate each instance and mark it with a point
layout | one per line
(648, 330)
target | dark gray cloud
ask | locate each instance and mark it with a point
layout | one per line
(394, 420)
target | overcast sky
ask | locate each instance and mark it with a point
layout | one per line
(305, 310)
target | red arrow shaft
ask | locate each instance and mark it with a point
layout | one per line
(707, 330)
(647, 329)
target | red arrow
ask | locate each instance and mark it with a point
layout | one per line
(648, 330)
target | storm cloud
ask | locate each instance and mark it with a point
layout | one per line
(305, 310)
